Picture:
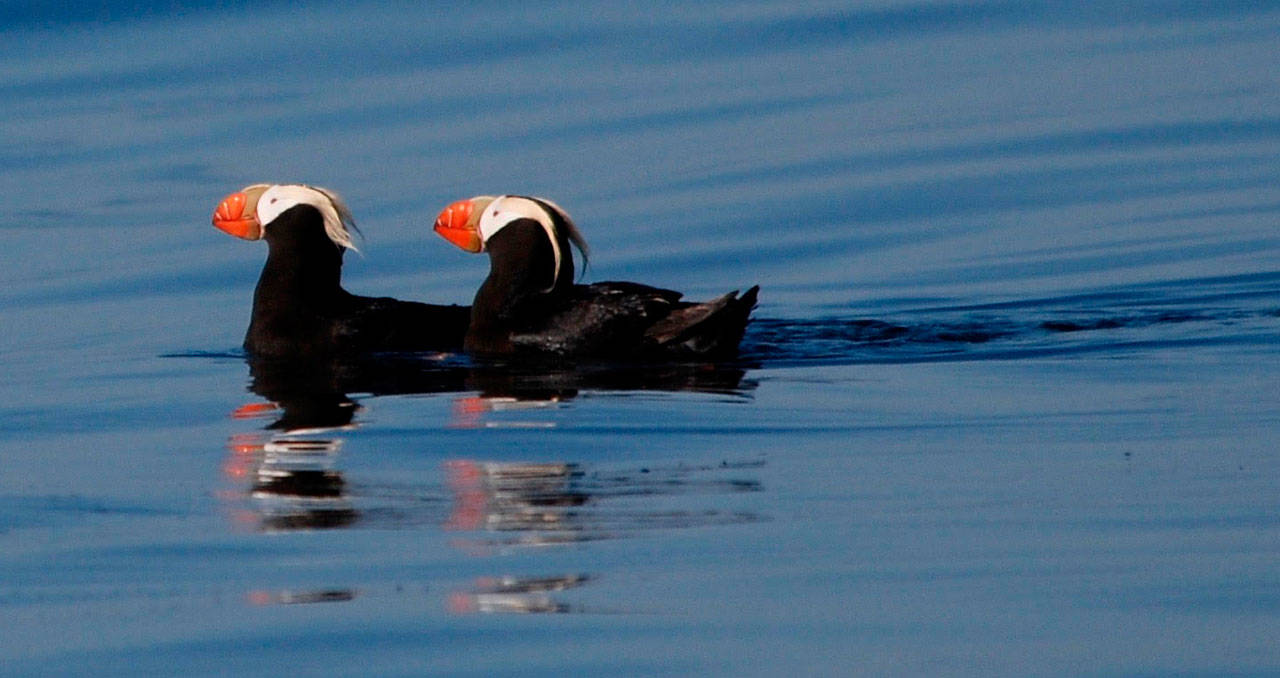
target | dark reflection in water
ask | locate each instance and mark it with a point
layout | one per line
(291, 468)
(288, 597)
(292, 461)
(290, 382)
(296, 487)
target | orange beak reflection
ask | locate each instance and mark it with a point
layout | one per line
(237, 214)
(456, 225)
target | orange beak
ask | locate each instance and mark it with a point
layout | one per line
(237, 214)
(456, 225)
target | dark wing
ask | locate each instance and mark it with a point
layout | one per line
(625, 320)
(711, 329)
(605, 319)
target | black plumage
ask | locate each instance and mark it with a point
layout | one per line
(527, 306)
(301, 310)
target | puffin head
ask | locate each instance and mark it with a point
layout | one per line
(247, 213)
(469, 224)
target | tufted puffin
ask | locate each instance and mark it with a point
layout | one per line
(299, 307)
(530, 304)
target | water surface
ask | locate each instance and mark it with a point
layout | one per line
(1009, 405)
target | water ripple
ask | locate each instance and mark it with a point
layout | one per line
(1230, 310)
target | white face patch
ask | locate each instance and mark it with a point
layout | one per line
(508, 208)
(277, 199)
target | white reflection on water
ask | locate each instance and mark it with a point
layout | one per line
(516, 595)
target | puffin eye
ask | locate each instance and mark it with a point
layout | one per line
(273, 200)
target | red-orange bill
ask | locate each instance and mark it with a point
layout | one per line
(455, 225)
(236, 217)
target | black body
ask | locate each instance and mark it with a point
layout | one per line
(301, 311)
(517, 311)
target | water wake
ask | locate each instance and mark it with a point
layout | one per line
(1236, 310)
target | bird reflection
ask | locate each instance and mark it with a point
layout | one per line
(294, 483)
(533, 501)
(506, 505)
(290, 465)
(296, 486)
(516, 595)
(290, 597)
(510, 504)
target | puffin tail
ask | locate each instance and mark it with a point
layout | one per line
(707, 330)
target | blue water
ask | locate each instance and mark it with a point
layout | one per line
(1009, 405)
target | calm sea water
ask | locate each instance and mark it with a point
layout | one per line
(1009, 406)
